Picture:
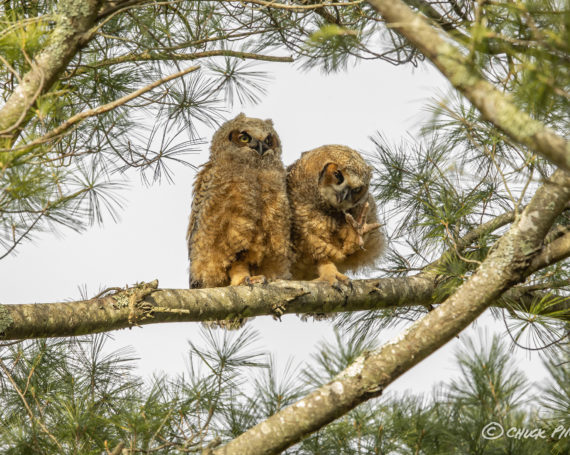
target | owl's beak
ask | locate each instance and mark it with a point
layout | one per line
(342, 195)
(260, 147)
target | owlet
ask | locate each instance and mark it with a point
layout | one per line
(239, 230)
(333, 227)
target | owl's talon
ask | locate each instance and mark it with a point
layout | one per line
(337, 287)
(252, 280)
(343, 286)
(361, 227)
(336, 279)
(364, 214)
(258, 279)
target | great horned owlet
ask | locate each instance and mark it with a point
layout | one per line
(239, 230)
(333, 226)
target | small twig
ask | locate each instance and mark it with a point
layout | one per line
(278, 5)
(473, 261)
(102, 293)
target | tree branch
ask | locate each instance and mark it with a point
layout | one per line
(285, 6)
(494, 105)
(119, 310)
(485, 228)
(524, 298)
(555, 251)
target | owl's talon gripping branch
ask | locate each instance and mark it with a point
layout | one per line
(239, 274)
(251, 280)
(258, 279)
(330, 274)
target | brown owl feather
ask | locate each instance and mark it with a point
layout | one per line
(334, 226)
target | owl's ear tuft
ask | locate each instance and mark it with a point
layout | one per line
(269, 121)
(240, 116)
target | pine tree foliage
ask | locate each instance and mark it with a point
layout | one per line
(463, 172)
(447, 196)
(77, 397)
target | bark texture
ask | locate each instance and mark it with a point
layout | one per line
(145, 304)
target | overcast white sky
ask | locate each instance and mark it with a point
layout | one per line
(308, 110)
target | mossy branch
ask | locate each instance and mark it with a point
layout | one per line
(74, 19)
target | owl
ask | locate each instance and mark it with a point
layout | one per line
(333, 227)
(239, 230)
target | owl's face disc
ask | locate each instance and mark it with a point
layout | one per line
(253, 140)
(249, 139)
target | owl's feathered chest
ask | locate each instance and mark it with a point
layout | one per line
(238, 188)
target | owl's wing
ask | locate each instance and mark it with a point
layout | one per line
(200, 191)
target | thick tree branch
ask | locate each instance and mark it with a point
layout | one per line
(74, 19)
(495, 106)
(282, 297)
(367, 377)
(118, 311)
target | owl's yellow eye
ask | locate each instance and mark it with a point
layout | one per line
(244, 138)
